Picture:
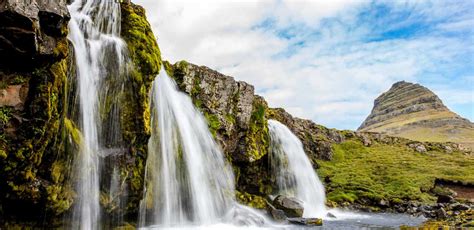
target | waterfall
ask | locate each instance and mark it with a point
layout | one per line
(293, 171)
(188, 181)
(100, 56)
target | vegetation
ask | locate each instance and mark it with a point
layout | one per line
(393, 173)
(258, 139)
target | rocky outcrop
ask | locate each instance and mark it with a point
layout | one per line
(39, 135)
(30, 32)
(317, 139)
(413, 111)
(236, 116)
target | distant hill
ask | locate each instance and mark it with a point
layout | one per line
(415, 112)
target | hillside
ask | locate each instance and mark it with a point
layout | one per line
(412, 111)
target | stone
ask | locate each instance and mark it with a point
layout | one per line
(445, 199)
(461, 207)
(31, 30)
(441, 213)
(290, 205)
(330, 215)
(420, 148)
(278, 215)
(14, 96)
(306, 221)
(383, 203)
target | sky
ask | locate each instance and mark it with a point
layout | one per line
(325, 60)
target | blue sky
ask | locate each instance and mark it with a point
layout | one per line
(326, 60)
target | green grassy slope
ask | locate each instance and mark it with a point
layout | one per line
(392, 173)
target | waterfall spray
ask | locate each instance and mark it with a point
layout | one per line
(99, 54)
(188, 179)
(293, 171)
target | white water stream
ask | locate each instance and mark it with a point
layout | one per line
(99, 53)
(188, 181)
(293, 171)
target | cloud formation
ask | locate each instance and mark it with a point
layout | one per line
(325, 60)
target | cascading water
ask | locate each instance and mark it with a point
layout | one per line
(100, 54)
(294, 173)
(188, 181)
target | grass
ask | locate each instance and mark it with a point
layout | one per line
(389, 172)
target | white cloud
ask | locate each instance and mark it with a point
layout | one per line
(332, 77)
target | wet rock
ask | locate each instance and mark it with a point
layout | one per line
(291, 206)
(330, 215)
(461, 207)
(278, 215)
(445, 199)
(306, 221)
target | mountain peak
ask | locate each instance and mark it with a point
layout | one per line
(413, 111)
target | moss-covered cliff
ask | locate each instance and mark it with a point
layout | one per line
(38, 110)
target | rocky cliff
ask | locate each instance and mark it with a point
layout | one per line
(39, 134)
(413, 111)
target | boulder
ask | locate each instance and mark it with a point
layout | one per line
(290, 205)
(445, 199)
(461, 207)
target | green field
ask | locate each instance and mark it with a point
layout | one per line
(394, 173)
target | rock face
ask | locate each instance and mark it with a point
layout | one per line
(236, 116)
(30, 29)
(414, 112)
(39, 135)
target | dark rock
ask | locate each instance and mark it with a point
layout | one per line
(306, 221)
(330, 215)
(31, 30)
(461, 207)
(441, 213)
(445, 199)
(291, 206)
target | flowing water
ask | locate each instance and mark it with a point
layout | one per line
(188, 181)
(293, 171)
(100, 55)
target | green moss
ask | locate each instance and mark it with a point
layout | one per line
(141, 41)
(73, 131)
(257, 137)
(3, 154)
(213, 123)
(392, 173)
(251, 200)
(5, 115)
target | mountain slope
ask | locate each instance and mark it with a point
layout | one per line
(412, 111)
